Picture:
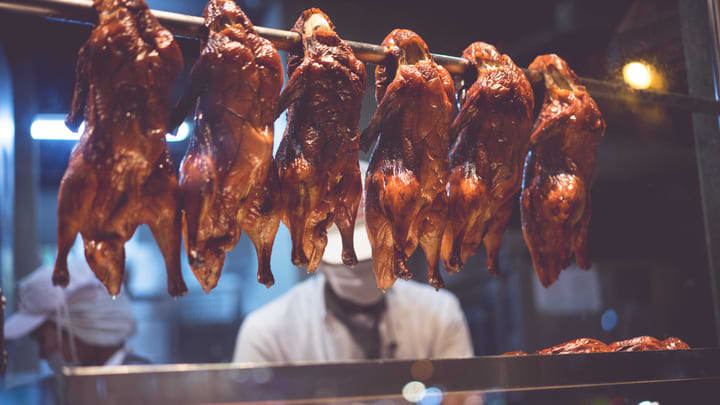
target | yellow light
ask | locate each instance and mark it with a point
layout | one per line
(638, 75)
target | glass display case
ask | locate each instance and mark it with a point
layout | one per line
(665, 377)
(652, 67)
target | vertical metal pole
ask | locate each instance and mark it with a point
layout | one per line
(700, 44)
(7, 134)
(23, 232)
(25, 242)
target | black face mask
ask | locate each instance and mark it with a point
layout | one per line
(362, 321)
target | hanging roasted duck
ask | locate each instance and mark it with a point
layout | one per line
(492, 133)
(226, 181)
(120, 174)
(405, 201)
(318, 156)
(555, 200)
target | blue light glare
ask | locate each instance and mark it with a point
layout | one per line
(51, 127)
(433, 396)
(7, 130)
(609, 320)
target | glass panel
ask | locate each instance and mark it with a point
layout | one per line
(650, 273)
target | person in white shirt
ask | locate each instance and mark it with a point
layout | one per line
(341, 315)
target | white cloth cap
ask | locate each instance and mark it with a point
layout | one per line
(83, 309)
(363, 250)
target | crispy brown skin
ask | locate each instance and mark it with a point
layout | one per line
(493, 132)
(555, 200)
(226, 184)
(581, 345)
(120, 174)
(318, 156)
(405, 201)
(587, 345)
(644, 343)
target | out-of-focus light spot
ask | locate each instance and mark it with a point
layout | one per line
(422, 370)
(51, 127)
(433, 396)
(648, 403)
(7, 130)
(414, 391)
(182, 133)
(474, 399)
(609, 319)
(637, 75)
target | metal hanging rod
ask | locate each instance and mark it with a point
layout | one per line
(189, 26)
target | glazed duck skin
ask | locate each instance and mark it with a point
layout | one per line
(581, 345)
(318, 157)
(645, 343)
(225, 178)
(555, 203)
(587, 345)
(405, 200)
(493, 132)
(120, 174)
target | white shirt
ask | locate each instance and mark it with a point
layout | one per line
(419, 323)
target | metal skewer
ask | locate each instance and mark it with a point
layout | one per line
(189, 26)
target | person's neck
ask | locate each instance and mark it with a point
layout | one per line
(92, 355)
(356, 285)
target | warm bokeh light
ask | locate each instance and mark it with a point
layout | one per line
(414, 391)
(637, 75)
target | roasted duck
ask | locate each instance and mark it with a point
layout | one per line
(582, 345)
(318, 156)
(120, 174)
(555, 200)
(405, 201)
(644, 343)
(587, 345)
(493, 131)
(226, 184)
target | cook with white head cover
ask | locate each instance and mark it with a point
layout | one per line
(77, 325)
(340, 314)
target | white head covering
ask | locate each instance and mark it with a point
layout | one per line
(84, 308)
(356, 284)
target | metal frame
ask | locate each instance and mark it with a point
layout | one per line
(711, 192)
(700, 40)
(226, 383)
(7, 192)
(189, 26)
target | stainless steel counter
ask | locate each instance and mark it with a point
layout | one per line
(361, 381)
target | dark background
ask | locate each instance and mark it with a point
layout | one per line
(650, 272)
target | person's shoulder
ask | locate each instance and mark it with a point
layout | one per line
(284, 309)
